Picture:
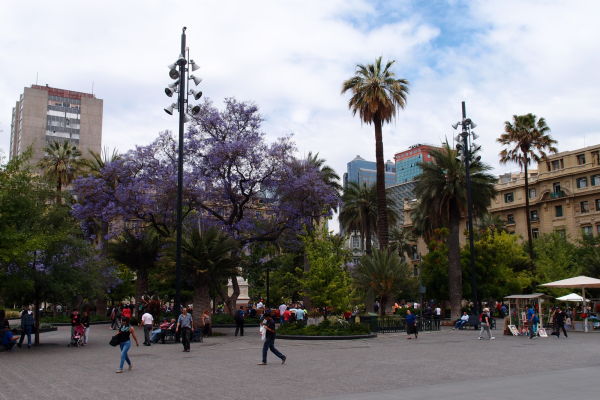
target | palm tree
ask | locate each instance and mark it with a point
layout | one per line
(328, 174)
(140, 253)
(359, 211)
(530, 141)
(381, 274)
(403, 239)
(376, 96)
(491, 222)
(61, 163)
(442, 194)
(209, 258)
(100, 160)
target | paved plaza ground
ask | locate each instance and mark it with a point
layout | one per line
(444, 365)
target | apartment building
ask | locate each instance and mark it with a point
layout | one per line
(564, 195)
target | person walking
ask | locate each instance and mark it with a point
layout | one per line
(559, 321)
(27, 325)
(185, 325)
(85, 321)
(485, 324)
(411, 325)
(206, 324)
(437, 316)
(147, 322)
(115, 315)
(533, 320)
(240, 315)
(269, 325)
(125, 333)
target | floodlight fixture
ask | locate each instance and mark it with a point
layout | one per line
(195, 79)
(197, 94)
(169, 110)
(194, 66)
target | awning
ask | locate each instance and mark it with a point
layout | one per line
(576, 282)
(528, 296)
(571, 297)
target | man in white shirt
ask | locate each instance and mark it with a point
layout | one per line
(282, 309)
(147, 321)
(462, 321)
(437, 315)
(260, 305)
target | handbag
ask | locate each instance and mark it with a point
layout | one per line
(115, 340)
(263, 333)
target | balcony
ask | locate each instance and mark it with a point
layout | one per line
(557, 195)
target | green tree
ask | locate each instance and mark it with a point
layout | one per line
(556, 258)
(402, 241)
(327, 283)
(61, 164)
(442, 192)
(527, 140)
(359, 211)
(434, 267)
(140, 252)
(376, 97)
(208, 259)
(383, 274)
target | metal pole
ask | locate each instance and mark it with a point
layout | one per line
(268, 299)
(467, 154)
(181, 103)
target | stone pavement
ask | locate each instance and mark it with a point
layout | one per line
(447, 364)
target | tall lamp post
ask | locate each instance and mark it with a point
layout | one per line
(179, 72)
(467, 148)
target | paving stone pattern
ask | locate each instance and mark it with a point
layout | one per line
(225, 367)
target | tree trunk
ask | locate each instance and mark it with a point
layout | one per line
(527, 215)
(36, 317)
(141, 287)
(201, 301)
(454, 267)
(231, 301)
(382, 305)
(382, 219)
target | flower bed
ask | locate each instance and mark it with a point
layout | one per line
(325, 328)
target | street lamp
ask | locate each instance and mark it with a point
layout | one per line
(179, 72)
(467, 148)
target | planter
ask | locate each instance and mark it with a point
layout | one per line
(343, 337)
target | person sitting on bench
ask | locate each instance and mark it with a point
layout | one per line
(462, 321)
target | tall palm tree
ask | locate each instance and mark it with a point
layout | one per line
(526, 139)
(442, 193)
(359, 211)
(209, 258)
(403, 239)
(61, 163)
(383, 274)
(376, 97)
(328, 174)
(99, 160)
(140, 252)
(491, 222)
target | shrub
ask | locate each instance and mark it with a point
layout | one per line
(337, 327)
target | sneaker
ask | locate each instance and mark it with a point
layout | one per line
(479, 338)
(492, 338)
(119, 371)
(283, 360)
(261, 363)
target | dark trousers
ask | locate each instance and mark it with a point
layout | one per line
(147, 331)
(239, 327)
(9, 346)
(558, 328)
(114, 324)
(436, 321)
(270, 345)
(185, 337)
(27, 330)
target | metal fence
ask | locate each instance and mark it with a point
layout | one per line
(390, 324)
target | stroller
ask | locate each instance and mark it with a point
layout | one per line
(77, 337)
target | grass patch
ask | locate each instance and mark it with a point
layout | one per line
(226, 319)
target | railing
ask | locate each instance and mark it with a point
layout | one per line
(390, 324)
(557, 195)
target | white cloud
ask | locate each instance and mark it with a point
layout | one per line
(291, 57)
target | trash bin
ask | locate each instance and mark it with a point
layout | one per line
(369, 321)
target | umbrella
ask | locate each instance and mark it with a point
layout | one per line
(578, 282)
(571, 297)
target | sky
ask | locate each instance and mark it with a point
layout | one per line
(290, 58)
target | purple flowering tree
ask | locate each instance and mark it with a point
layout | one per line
(234, 179)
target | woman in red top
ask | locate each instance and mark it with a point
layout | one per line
(286, 315)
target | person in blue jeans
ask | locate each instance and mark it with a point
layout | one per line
(126, 331)
(269, 344)
(27, 324)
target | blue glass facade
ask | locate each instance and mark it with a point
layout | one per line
(362, 171)
(408, 169)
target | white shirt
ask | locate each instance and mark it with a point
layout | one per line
(464, 318)
(282, 308)
(147, 319)
(260, 305)
(438, 311)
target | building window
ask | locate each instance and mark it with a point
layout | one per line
(596, 157)
(532, 193)
(561, 232)
(598, 229)
(580, 159)
(535, 233)
(355, 242)
(587, 230)
(510, 219)
(584, 207)
(509, 197)
(533, 215)
(557, 164)
(595, 180)
(558, 211)
(581, 182)
(597, 204)
(556, 187)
